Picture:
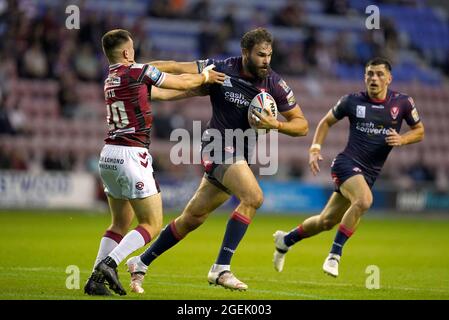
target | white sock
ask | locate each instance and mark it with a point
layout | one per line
(109, 241)
(220, 267)
(135, 239)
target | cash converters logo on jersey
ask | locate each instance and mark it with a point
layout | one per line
(370, 128)
(237, 98)
(259, 147)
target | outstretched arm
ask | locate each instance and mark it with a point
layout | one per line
(175, 67)
(189, 81)
(171, 94)
(320, 135)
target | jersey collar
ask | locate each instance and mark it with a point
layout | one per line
(387, 97)
(114, 66)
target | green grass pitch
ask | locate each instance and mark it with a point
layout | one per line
(412, 256)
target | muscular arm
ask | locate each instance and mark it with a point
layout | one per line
(296, 124)
(323, 128)
(320, 135)
(183, 81)
(171, 94)
(415, 134)
(189, 81)
(175, 67)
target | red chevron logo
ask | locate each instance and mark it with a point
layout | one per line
(143, 155)
(144, 164)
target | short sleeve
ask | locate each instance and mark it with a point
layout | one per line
(284, 96)
(340, 110)
(411, 115)
(152, 76)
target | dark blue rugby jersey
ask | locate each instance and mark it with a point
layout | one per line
(369, 121)
(231, 100)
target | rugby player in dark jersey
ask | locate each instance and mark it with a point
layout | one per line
(125, 162)
(247, 76)
(375, 118)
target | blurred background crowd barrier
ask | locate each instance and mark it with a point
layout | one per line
(52, 112)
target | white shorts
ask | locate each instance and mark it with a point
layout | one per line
(127, 172)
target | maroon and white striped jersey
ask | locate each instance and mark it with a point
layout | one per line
(127, 90)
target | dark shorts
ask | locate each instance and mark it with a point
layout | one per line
(343, 168)
(215, 165)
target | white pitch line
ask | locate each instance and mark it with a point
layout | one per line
(314, 283)
(284, 293)
(21, 296)
(326, 284)
(165, 283)
(34, 269)
(321, 283)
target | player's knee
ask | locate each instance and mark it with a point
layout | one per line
(363, 204)
(258, 200)
(254, 200)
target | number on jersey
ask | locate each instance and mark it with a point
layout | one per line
(117, 111)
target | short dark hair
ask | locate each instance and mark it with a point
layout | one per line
(113, 39)
(256, 36)
(378, 61)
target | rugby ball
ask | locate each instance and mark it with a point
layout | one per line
(265, 104)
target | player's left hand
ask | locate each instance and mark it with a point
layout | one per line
(212, 76)
(393, 138)
(265, 122)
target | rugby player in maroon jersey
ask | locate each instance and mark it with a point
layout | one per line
(125, 161)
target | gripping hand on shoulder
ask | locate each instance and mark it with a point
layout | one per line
(211, 76)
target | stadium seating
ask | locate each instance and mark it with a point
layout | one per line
(85, 136)
(423, 29)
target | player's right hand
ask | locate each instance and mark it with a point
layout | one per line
(213, 76)
(314, 157)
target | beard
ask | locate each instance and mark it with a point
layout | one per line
(256, 71)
